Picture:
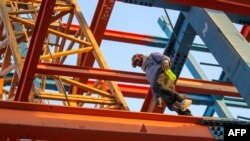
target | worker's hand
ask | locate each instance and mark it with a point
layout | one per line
(166, 65)
(160, 103)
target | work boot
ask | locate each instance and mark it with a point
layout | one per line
(185, 113)
(185, 104)
(175, 106)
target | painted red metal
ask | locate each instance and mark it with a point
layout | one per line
(246, 32)
(97, 73)
(145, 106)
(234, 6)
(27, 106)
(98, 26)
(127, 37)
(140, 39)
(101, 18)
(129, 90)
(150, 104)
(48, 122)
(183, 85)
(35, 48)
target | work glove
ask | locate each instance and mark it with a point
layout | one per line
(165, 65)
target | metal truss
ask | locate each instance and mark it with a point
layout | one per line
(24, 28)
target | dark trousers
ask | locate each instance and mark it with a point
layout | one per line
(165, 88)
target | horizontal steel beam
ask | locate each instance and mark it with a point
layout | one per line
(183, 85)
(147, 40)
(233, 6)
(206, 87)
(135, 38)
(236, 13)
(46, 122)
(97, 73)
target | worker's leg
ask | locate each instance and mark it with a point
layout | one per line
(163, 87)
(166, 95)
(160, 89)
(176, 107)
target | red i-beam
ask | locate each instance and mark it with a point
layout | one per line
(127, 37)
(47, 122)
(234, 6)
(98, 26)
(35, 48)
(183, 84)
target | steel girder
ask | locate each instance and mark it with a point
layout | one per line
(232, 6)
(46, 122)
(221, 37)
(231, 10)
(184, 85)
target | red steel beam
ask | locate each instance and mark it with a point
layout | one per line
(128, 37)
(46, 122)
(183, 85)
(101, 18)
(35, 48)
(98, 26)
(246, 32)
(129, 90)
(96, 73)
(150, 104)
(234, 6)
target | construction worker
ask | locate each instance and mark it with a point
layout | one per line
(162, 86)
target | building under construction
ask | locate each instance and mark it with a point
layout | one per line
(56, 83)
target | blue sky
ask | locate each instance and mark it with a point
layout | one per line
(143, 20)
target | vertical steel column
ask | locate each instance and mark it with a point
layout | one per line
(219, 105)
(226, 44)
(35, 48)
(178, 45)
(181, 39)
(98, 26)
(101, 18)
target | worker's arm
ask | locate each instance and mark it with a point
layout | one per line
(163, 59)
